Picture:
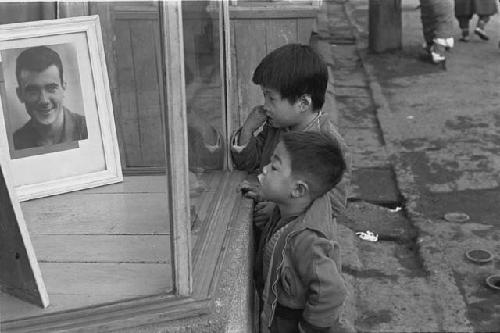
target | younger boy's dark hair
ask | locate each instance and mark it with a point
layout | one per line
(294, 70)
(316, 158)
(37, 59)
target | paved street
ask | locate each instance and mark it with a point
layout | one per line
(426, 140)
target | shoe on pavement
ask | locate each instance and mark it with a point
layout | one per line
(437, 55)
(465, 35)
(480, 32)
(437, 58)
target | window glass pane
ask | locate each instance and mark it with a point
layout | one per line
(204, 91)
(100, 245)
(139, 68)
(109, 243)
(14, 12)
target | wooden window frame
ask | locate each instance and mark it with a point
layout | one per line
(175, 116)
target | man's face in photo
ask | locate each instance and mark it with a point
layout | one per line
(42, 93)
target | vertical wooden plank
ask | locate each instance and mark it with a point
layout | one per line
(280, 32)
(305, 27)
(70, 9)
(160, 65)
(226, 65)
(176, 137)
(19, 271)
(104, 11)
(129, 118)
(235, 101)
(24, 11)
(249, 32)
(135, 49)
(145, 49)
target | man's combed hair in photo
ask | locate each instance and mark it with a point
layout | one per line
(316, 159)
(38, 59)
(294, 70)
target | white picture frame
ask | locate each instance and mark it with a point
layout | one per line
(77, 161)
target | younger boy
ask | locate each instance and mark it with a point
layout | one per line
(293, 79)
(298, 263)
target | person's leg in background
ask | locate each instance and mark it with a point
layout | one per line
(481, 23)
(437, 24)
(428, 24)
(463, 23)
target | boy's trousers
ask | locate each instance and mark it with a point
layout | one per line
(287, 321)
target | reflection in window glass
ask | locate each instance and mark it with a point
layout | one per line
(110, 243)
(203, 98)
(24, 11)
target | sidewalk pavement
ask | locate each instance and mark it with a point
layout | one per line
(426, 140)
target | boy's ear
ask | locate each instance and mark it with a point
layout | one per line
(305, 102)
(300, 189)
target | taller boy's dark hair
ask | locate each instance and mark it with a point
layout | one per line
(316, 158)
(37, 59)
(294, 70)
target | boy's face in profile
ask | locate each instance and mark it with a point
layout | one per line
(276, 179)
(42, 93)
(280, 111)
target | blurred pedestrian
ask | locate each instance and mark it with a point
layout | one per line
(437, 26)
(465, 9)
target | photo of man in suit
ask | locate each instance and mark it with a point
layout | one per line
(41, 88)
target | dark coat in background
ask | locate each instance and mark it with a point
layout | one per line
(437, 19)
(479, 7)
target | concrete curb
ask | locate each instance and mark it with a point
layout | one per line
(450, 303)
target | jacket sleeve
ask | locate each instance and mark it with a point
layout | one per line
(317, 265)
(248, 159)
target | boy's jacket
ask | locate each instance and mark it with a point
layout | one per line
(305, 270)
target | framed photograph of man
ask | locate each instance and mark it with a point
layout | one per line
(56, 119)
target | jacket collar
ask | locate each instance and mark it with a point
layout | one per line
(317, 217)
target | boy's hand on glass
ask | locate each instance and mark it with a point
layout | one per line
(256, 118)
(249, 190)
(262, 212)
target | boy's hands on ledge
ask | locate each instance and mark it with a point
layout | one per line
(262, 209)
(250, 190)
(255, 119)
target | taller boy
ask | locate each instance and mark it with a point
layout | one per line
(294, 80)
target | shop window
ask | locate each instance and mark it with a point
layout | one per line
(148, 248)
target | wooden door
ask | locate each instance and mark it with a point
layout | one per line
(131, 32)
(139, 101)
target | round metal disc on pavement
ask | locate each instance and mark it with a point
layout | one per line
(479, 256)
(493, 281)
(456, 217)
